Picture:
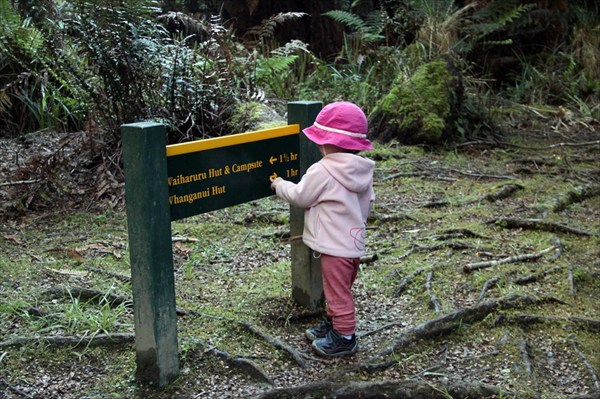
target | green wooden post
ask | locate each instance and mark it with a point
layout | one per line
(307, 283)
(151, 252)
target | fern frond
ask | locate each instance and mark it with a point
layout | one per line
(274, 66)
(502, 12)
(290, 47)
(189, 24)
(496, 16)
(266, 29)
(375, 21)
(347, 19)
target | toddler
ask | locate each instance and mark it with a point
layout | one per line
(336, 193)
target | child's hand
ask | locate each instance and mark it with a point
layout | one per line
(275, 182)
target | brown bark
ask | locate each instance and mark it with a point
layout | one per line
(406, 389)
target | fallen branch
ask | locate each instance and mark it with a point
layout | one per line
(406, 389)
(482, 175)
(470, 267)
(537, 224)
(453, 233)
(75, 341)
(19, 182)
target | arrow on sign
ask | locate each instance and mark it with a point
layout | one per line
(272, 160)
(273, 176)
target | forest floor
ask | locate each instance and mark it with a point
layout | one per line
(482, 279)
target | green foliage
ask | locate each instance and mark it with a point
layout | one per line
(368, 30)
(423, 102)
(278, 68)
(34, 94)
(495, 17)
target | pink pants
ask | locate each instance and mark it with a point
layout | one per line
(338, 276)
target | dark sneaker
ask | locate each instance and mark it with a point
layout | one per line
(335, 345)
(320, 331)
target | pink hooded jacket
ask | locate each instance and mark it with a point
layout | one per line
(337, 193)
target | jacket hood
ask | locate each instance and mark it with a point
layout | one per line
(352, 171)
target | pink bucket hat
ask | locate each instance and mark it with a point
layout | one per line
(342, 124)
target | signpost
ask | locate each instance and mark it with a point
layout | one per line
(165, 183)
(216, 173)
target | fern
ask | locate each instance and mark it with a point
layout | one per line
(347, 19)
(496, 16)
(369, 28)
(266, 30)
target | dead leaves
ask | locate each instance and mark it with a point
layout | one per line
(92, 250)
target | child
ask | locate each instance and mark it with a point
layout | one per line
(336, 193)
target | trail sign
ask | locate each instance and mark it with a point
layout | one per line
(187, 179)
(215, 173)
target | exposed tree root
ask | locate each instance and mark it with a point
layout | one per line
(573, 197)
(486, 286)
(504, 192)
(537, 224)
(86, 294)
(453, 233)
(525, 350)
(532, 278)
(406, 389)
(246, 365)
(369, 259)
(588, 366)
(408, 279)
(495, 143)
(15, 390)
(92, 340)
(297, 356)
(433, 300)
(526, 319)
(445, 325)
(300, 358)
(470, 267)
(120, 277)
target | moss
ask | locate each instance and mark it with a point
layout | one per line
(253, 116)
(423, 101)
